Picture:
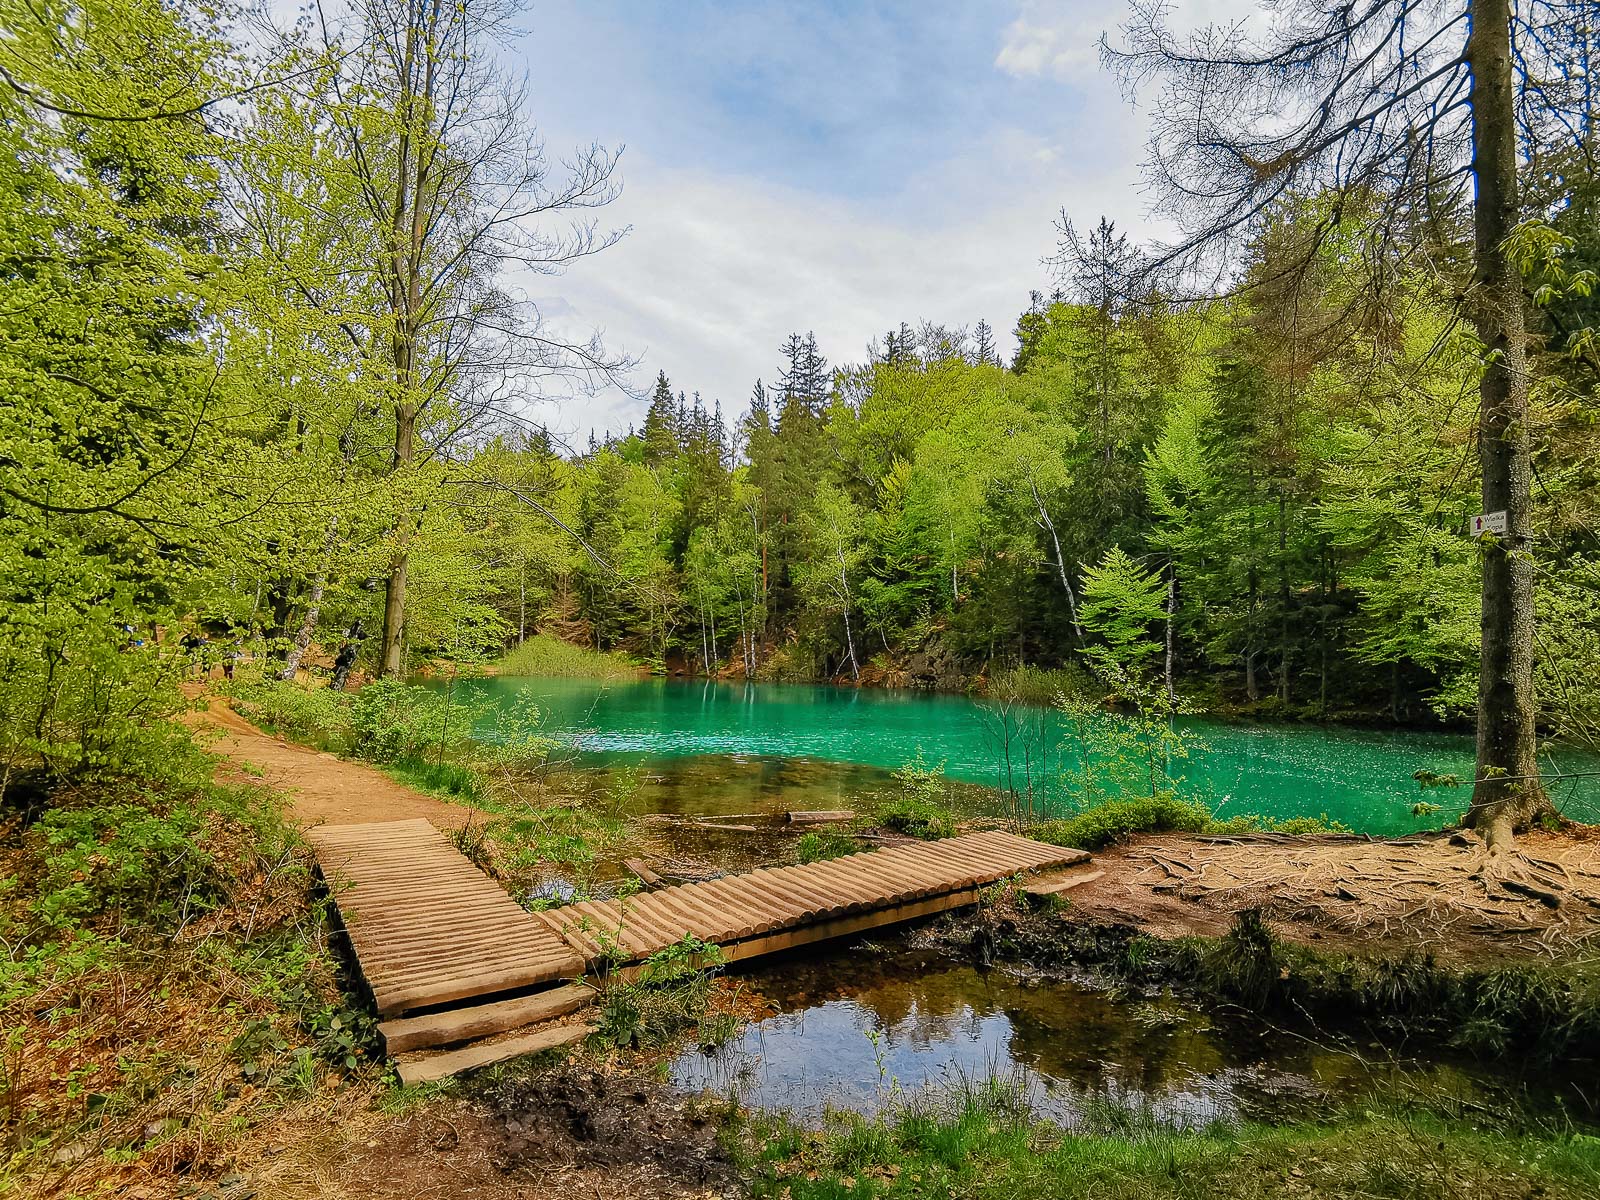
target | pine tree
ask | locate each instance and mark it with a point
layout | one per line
(662, 430)
(984, 351)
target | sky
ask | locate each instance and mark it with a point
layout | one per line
(825, 166)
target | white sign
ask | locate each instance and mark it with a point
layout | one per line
(1483, 523)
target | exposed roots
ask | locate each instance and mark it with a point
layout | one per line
(1428, 889)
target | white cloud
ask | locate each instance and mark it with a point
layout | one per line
(719, 269)
(1044, 40)
(1059, 40)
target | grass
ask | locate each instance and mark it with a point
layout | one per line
(1039, 685)
(1540, 1012)
(1112, 821)
(672, 991)
(980, 1142)
(822, 844)
(544, 654)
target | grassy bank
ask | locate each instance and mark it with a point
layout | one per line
(545, 654)
(980, 1141)
(169, 986)
(1544, 1012)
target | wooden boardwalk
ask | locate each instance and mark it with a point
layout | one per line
(427, 926)
(774, 908)
(450, 957)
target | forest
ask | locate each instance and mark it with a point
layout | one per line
(248, 410)
(1262, 500)
(284, 393)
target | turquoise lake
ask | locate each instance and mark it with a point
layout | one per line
(706, 746)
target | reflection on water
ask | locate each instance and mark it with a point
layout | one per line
(856, 1026)
(780, 740)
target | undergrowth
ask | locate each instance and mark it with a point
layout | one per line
(1547, 1012)
(1112, 821)
(820, 845)
(168, 982)
(663, 997)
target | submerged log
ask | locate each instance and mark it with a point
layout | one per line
(821, 816)
(646, 876)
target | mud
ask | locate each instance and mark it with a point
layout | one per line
(527, 1132)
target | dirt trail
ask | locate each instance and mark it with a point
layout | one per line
(322, 788)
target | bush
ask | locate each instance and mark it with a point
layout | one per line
(392, 721)
(823, 844)
(672, 992)
(1040, 685)
(1111, 821)
(317, 716)
(543, 654)
(139, 866)
(920, 806)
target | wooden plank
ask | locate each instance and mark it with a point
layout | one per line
(427, 926)
(1055, 887)
(424, 1069)
(775, 908)
(483, 1020)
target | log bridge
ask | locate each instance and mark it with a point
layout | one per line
(462, 976)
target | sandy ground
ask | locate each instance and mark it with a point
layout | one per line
(322, 788)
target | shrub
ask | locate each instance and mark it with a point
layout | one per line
(391, 721)
(1111, 821)
(823, 844)
(920, 805)
(1039, 685)
(671, 993)
(318, 716)
(140, 865)
(543, 654)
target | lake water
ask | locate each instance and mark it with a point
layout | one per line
(730, 747)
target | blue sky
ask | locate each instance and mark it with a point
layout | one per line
(830, 166)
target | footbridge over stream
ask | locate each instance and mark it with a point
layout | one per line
(463, 976)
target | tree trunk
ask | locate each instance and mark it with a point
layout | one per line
(1061, 563)
(1172, 606)
(394, 593)
(1506, 793)
(308, 626)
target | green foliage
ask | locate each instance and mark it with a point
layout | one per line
(822, 844)
(1111, 821)
(670, 993)
(1039, 685)
(1122, 601)
(920, 804)
(143, 864)
(1544, 1012)
(546, 655)
(979, 1141)
(1136, 748)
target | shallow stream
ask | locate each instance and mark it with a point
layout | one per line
(866, 1024)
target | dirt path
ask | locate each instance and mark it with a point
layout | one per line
(322, 788)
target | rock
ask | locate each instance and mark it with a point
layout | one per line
(67, 1155)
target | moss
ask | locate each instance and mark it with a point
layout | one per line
(1112, 821)
(823, 844)
(1100, 826)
